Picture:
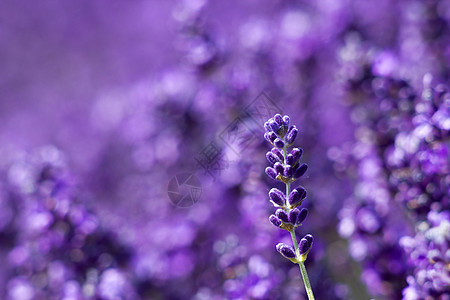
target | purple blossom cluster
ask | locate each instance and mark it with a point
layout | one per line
(54, 246)
(104, 104)
(287, 169)
(428, 254)
(401, 158)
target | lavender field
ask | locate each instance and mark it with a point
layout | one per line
(136, 138)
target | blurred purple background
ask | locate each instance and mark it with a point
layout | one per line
(103, 104)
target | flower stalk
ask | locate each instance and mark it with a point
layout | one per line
(287, 169)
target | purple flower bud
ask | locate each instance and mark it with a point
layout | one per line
(286, 120)
(271, 173)
(282, 215)
(303, 246)
(274, 126)
(285, 250)
(301, 190)
(288, 171)
(279, 168)
(293, 215)
(290, 159)
(277, 197)
(267, 126)
(272, 158)
(278, 119)
(272, 136)
(284, 125)
(275, 221)
(302, 216)
(300, 171)
(278, 153)
(297, 154)
(292, 134)
(278, 143)
(310, 239)
(290, 128)
(296, 197)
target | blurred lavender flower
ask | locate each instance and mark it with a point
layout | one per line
(402, 164)
(428, 255)
(61, 251)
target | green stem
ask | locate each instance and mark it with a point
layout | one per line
(308, 288)
(309, 291)
(294, 240)
(306, 281)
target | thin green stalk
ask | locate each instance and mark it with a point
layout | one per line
(309, 291)
(294, 240)
(308, 288)
(306, 281)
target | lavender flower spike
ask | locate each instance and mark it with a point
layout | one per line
(287, 169)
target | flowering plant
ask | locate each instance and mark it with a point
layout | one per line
(287, 169)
